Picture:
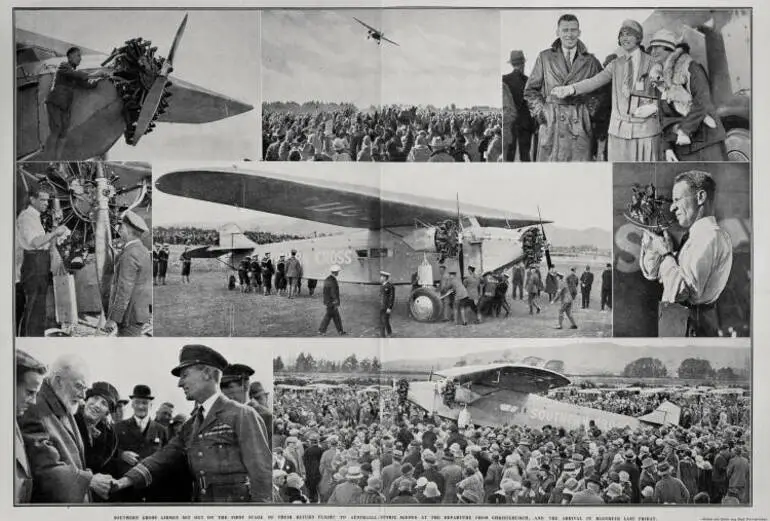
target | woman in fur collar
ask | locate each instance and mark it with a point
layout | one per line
(690, 129)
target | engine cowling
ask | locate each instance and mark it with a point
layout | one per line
(442, 238)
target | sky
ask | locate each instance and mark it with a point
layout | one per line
(559, 190)
(534, 30)
(219, 51)
(443, 57)
(413, 349)
(125, 363)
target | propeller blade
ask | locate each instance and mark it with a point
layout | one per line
(177, 39)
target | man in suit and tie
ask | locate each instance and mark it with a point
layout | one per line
(332, 302)
(131, 291)
(139, 437)
(54, 446)
(565, 124)
(586, 283)
(59, 100)
(224, 443)
(29, 378)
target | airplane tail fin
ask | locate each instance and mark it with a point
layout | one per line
(666, 414)
(231, 237)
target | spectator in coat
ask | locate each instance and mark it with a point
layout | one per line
(521, 125)
(668, 489)
(29, 378)
(738, 476)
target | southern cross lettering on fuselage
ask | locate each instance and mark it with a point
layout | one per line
(333, 256)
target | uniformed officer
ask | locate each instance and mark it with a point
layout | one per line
(224, 442)
(332, 302)
(131, 290)
(387, 299)
(235, 382)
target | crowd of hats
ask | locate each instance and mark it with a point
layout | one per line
(387, 135)
(531, 461)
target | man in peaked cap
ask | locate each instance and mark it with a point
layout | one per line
(332, 302)
(29, 379)
(139, 437)
(131, 289)
(224, 442)
(235, 382)
(387, 299)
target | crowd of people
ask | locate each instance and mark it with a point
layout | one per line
(391, 134)
(188, 235)
(334, 447)
(74, 445)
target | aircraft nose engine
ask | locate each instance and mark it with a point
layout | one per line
(442, 238)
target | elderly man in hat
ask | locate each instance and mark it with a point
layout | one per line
(139, 437)
(332, 302)
(131, 289)
(387, 300)
(521, 124)
(565, 124)
(668, 489)
(634, 130)
(55, 448)
(348, 492)
(695, 274)
(29, 378)
(258, 400)
(96, 429)
(224, 442)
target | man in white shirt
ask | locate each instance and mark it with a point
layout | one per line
(36, 264)
(697, 273)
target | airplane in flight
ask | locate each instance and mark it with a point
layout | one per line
(90, 198)
(139, 93)
(375, 34)
(511, 394)
(403, 234)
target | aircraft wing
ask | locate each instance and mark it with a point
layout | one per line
(367, 25)
(33, 47)
(329, 202)
(390, 41)
(513, 377)
(190, 103)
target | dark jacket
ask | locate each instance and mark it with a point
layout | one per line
(230, 457)
(387, 295)
(522, 119)
(66, 80)
(331, 291)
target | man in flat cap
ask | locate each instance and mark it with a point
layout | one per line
(54, 446)
(521, 124)
(139, 437)
(387, 299)
(29, 378)
(332, 302)
(224, 442)
(258, 400)
(131, 291)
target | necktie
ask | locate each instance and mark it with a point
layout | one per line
(628, 77)
(197, 419)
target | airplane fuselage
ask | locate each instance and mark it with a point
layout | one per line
(506, 407)
(362, 254)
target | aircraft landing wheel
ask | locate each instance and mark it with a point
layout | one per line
(424, 305)
(738, 144)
